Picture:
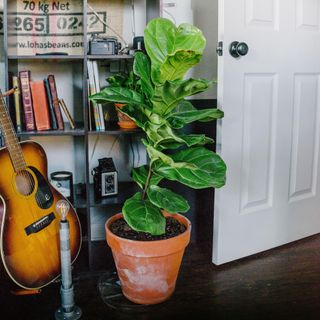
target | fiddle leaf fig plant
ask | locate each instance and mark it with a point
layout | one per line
(161, 110)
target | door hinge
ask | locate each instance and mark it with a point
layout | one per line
(219, 49)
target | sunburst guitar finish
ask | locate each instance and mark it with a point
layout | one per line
(29, 246)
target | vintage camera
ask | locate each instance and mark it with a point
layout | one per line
(104, 45)
(105, 178)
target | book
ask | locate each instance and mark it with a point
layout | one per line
(55, 101)
(90, 109)
(92, 90)
(17, 105)
(40, 105)
(53, 119)
(67, 113)
(97, 86)
(27, 100)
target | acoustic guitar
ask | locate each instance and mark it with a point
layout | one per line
(29, 234)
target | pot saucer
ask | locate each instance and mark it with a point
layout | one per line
(109, 287)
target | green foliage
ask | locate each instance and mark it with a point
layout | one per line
(155, 94)
(166, 199)
(142, 215)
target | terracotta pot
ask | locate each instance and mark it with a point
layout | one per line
(148, 270)
(124, 121)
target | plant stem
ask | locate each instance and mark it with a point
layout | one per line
(147, 183)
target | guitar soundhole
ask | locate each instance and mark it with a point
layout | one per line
(25, 183)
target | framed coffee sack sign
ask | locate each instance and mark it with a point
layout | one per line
(44, 26)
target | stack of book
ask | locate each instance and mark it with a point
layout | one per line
(36, 104)
(94, 87)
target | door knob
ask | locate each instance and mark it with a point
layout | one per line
(238, 49)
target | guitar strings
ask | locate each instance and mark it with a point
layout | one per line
(28, 187)
(27, 177)
(39, 238)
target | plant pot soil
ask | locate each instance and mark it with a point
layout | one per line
(124, 121)
(121, 229)
(148, 270)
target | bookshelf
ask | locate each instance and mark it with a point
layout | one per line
(71, 76)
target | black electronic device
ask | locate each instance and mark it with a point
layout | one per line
(105, 178)
(104, 45)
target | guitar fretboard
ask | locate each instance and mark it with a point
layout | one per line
(10, 138)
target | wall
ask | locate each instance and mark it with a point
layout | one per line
(204, 15)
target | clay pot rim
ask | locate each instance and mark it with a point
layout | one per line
(154, 242)
(120, 105)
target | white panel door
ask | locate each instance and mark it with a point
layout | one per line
(269, 137)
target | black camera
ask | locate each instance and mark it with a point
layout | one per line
(104, 45)
(105, 178)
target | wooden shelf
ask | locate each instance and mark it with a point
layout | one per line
(46, 57)
(109, 57)
(66, 132)
(116, 131)
(71, 57)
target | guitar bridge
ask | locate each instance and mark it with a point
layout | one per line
(40, 224)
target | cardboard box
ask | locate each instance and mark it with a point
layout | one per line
(44, 27)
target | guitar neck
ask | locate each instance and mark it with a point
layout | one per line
(10, 137)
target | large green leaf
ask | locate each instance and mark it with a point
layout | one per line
(142, 68)
(188, 140)
(173, 51)
(136, 113)
(142, 215)
(162, 134)
(140, 174)
(118, 95)
(196, 139)
(117, 80)
(207, 168)
(168, 200)
(168, 95)
(166, 160)
(186, 113)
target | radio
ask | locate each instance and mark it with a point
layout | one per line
(105, 178)
(104, 45)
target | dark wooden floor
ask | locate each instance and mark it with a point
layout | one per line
(283, 283)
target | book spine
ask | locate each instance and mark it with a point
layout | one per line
(92, 87)
(90, 108)
(40, 105)
(27, 100)
(53, 119)
(17, 106)
(55, 101)
(97, 85)
(67, 113)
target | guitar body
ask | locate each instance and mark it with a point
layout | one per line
(29, 221)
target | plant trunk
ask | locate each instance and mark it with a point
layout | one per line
(147, 183)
